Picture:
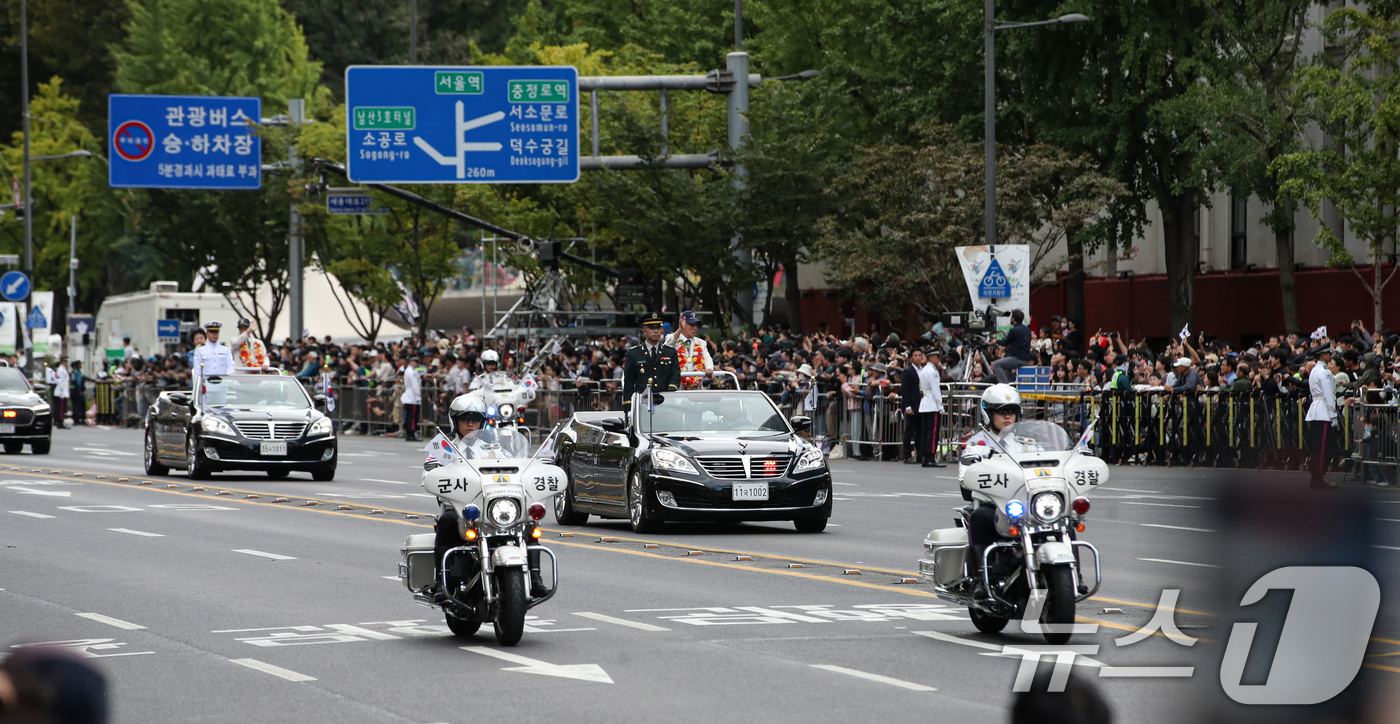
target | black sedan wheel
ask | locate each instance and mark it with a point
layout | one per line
(564, 511)
(14, 448)
(197, 469)
(642, 521)
(153, 466)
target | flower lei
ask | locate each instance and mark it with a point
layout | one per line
(688, 362)
(251, 354)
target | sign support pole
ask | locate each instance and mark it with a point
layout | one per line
(27, 201)
(296, 112)
(738, 64)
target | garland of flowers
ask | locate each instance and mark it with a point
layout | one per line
(251, 354)
(687, 360)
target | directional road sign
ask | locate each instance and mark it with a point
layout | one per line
(483, 124)
(36, 319)
(14, 286)
(352, 204)
(167, 329)
(184, 142)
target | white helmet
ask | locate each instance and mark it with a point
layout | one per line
(490, 356)
(999, 398)
(467, 407)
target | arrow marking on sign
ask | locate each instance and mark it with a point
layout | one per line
(582, 672)
(460, 159)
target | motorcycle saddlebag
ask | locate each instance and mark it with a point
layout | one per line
(946, 549)
(416, 568)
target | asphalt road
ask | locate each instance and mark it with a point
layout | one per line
(212, 601)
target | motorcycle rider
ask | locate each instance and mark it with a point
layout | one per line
(490, 363)
(468, 416)
(999, 411)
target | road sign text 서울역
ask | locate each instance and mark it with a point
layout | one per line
(481, 124)
(184, 142)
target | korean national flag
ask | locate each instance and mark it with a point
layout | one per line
(1320, 332)
(809, 403)
(442, 450)
(1185, 331)
(646, 400)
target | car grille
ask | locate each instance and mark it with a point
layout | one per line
(22, 416)
(778, 497)
(731, 467)
(270, 430)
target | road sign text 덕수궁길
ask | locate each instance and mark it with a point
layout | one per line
(184, 142)
(482, 124)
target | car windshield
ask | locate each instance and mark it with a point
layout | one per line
(255, 393)
(494, 443)
(1040, 436)
(713, 415)
(12, 381)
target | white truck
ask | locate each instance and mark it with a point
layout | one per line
(136, 315)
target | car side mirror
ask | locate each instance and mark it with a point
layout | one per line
(800, 423)
(613, 424)
(973, 454)
(320, 401)
(180, 398)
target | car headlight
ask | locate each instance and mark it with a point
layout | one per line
(670, 460)
(321, 427)
(503, 512)
(1047, 506)
(810, 460)
(217, 426)
(40, 409)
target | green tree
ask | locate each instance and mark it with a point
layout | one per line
(680, 31)
(1353, 95)
(68, 39)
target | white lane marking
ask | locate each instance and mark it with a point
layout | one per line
(1159, 505)
(851, 484)
(361, 496)
(357, 631)
(1126, 490)
(1389, 548)
(1008, 652)
(111, 621)
(99, 508)
(31, 515)
(137, 532)
(31, 491)
(620, 621)
(874, 677)
(106, 451)
(836, 525)
(391, 578)
(1388, 520)
(1180, 563)
(584, 672)
(380, 480)
(273, 556)
(287, 674)
(1177, 527)
(1146, 671)
(423, 495)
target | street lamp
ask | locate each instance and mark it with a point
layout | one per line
(990, 105)
(71, 154)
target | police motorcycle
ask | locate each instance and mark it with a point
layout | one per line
(1037, 479)
(500, 493)
(505, 398)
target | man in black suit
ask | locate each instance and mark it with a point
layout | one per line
(650, 363)
(909, 401)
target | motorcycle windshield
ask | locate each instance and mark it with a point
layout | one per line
(1037, 436)
(490, 443)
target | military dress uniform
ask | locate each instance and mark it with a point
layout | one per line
(1321, 417)
(212, 359)
(657, 367)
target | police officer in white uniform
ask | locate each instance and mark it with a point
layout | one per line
(1322, 416)
(212, 359)
(491, 376)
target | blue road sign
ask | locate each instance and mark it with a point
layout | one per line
(481, 124)
(168, 328)
(994, 284)
(352, 204)
(14, 286)
(184, 142)
(36, 319)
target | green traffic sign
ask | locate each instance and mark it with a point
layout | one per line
(458, 82)
(380, 118)
(538, 91)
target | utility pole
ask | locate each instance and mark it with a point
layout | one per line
(26, 201)
(989, 124)
(73, 268)
(296, 115)
(413, 32)
(737, 63)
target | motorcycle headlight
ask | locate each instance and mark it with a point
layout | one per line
(810, 460)
(670, 460)
(321, 427)
(1047, 506)
(503, 512)
(217, 426)
(506, 410)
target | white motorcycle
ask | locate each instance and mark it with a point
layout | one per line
(1038, 480)
(500, 494)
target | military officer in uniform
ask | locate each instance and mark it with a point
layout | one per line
(650, 363)
(1321, 416)
(211, 359)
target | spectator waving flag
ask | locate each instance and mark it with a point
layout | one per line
(1185, 331)
(1320, 332)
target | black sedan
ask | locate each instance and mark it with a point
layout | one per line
(699, 455)
(25, 418)
(241, 422)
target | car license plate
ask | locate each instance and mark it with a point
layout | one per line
(273, 448)
(751, 491)
(7, 429)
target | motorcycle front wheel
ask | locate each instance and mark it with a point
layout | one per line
(510, 606)
(1059, 602)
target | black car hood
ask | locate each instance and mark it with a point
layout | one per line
(19, 399)
(236, 414)
(755, 445)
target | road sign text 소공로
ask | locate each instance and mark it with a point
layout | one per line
(483, 124)
(184, 142)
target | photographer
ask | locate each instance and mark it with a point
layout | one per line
(1016, 348)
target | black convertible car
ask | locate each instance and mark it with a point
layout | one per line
(241, 422)
(25, 418)
(699, 455)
